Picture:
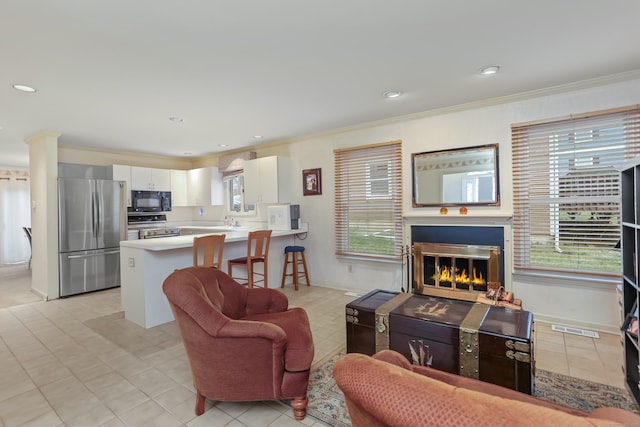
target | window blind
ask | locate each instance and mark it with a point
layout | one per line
(368, 201)
(566, 190)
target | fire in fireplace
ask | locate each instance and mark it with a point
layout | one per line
(455, 270)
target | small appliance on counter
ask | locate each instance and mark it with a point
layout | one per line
(283, 217)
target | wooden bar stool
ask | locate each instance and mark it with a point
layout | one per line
(296, 273)
(257, 252)
(211, 247)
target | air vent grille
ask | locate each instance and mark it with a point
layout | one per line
(575, 331)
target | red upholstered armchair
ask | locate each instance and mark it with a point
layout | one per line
(243, 344)
(387, 391)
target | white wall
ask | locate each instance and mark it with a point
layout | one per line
(592, 305)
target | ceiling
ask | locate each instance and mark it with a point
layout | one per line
(111, 74)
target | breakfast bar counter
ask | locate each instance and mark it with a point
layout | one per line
(146, 263)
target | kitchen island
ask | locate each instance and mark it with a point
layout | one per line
(145, 264)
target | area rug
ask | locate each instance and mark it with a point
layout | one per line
(326, 401)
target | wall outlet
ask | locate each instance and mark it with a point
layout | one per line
(350, 268)
(132, 262)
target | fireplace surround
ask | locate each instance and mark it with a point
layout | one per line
(457, 261)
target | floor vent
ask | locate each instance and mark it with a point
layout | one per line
(575, 331)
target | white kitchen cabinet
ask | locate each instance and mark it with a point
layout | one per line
(179, 188)
(204, 187)
(267, 180)
(150, 179)
(123, 173)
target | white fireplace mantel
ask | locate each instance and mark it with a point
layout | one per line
(454, 218)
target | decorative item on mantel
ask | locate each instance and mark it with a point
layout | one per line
(444, 211)
(463, 210)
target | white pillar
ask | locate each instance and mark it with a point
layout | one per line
(43, 169)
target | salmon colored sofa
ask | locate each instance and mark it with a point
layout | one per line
(243, 344)
(387, 391)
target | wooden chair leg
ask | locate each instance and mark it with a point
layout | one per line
(266, 275)
(199, 403)
(250, 274)
(294, 271)
(299, 405)
(304, 264)
(284, 269)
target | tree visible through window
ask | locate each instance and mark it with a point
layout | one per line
(369, 201)
(566, 190)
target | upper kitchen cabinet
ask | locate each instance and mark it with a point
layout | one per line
(123, 173)
(179, 188)
(204, 187)
(150, 179)
(267, 180)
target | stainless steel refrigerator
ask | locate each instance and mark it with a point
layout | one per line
(92, 221)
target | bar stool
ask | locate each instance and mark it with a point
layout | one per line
(296, 273)
(211, 247)
(257, 252)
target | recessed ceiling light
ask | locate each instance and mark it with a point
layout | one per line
(392, 94)
(24, 88)
(176, 119)
(491, 69)
(188, 154)
(257, 136)
(222, 145)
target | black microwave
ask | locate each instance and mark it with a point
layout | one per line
(150, 201)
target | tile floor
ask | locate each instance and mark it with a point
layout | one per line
(78, 362)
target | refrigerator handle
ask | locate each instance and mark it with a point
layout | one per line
(98, 213)
(94, 214)
(93, 255)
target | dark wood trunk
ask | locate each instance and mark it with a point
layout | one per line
(493, 344)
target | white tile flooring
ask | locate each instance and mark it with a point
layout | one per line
(78, 362)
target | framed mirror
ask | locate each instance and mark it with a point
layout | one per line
(456, 177)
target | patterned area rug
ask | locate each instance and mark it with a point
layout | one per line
(326, 401)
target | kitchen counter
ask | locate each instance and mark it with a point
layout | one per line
(145, 264)
(232, 234)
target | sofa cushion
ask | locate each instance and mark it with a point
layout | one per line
(394, 396)
(470, 383)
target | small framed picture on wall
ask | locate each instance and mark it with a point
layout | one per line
(311, 182)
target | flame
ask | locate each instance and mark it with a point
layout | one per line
(461, 277)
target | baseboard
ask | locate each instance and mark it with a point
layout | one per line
(40, 294)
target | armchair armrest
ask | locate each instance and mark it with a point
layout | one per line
(251, 329)
(261, 300)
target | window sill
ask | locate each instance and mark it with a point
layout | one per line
(374, 258)
(565, 279)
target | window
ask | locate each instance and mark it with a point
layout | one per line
(234, 193)
(379, 179)
(566, 191)
(369, 201)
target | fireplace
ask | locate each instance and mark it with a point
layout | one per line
(457, 261)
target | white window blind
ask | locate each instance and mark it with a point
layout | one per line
(566, 190)
(369, 201)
